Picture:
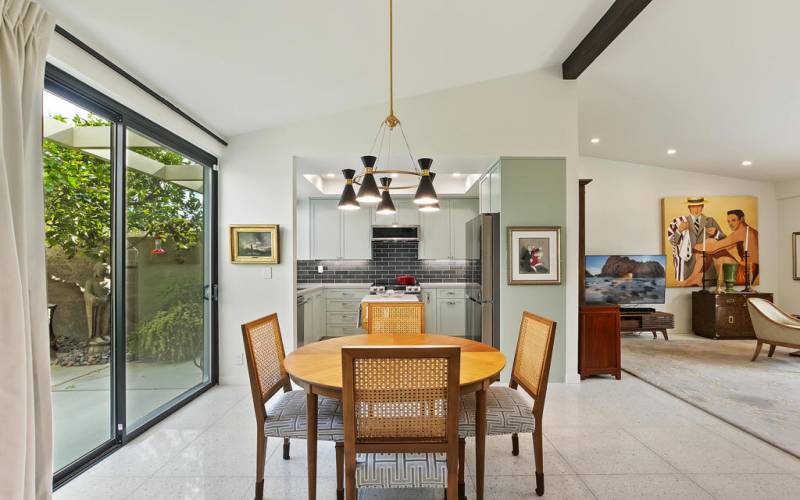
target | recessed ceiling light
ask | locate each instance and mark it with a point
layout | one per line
(671, 151)
(456, 174)
(595, 140)
(330, 175)
(395, 175)
(747, 163)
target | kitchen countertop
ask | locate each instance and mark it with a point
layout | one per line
(304, 288)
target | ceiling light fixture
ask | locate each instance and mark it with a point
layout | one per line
(330, 175)
(747, 163)
(386, 205)
(368, 191)
(348, 199)
(433, 207)
(595, 140)
(671, 151)
(456, 174)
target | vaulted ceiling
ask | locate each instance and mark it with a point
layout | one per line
(716, 80)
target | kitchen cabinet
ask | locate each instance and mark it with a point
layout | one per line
(462, 210)
(407, 214)
(311, 317)
(428, 297)
(442, 233)
(337, 234)
(451, 315)
(489, 191)
(356, 234)
(435, 233)
(341, 315)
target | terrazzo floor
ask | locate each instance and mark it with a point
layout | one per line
(604, 439)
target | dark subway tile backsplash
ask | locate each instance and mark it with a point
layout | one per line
(389, 260)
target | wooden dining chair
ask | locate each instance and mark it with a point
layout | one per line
(263, 347)
(403, 401)
(396, 317)
(508, 411)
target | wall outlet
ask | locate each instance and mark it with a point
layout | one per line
(320, 269)
(240, 359)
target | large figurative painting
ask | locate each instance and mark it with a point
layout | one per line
(725, 227)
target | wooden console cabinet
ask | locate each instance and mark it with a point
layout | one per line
(599, 342)
(652, 322)
(723, 315)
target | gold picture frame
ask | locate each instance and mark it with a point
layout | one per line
(534, 255)
(795, 261)
(255, 243)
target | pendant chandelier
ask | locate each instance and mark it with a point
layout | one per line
(368, 192)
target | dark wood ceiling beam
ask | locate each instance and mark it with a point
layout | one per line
(614, 21)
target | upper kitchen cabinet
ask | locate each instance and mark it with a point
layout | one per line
(407, 214)
(326, 231)
(489, 191)
(356, 234)
(442, 233)
(462, 210)
(337, 234)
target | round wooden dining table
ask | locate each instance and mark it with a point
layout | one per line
(317, 368)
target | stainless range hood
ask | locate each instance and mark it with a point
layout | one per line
(395, 233)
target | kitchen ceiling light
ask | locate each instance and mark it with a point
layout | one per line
(595, 140)
(386, 205)
(747, 163)
(368, 191)
(348, 199)
(330, 175)
(671, 151)
(433, 207)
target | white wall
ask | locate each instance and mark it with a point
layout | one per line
(623, 215)
(788, 223)
(67, 56)
(534, 114)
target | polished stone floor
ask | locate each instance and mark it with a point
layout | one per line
(604, 440)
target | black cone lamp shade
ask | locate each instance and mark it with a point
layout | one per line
(433, 207)
(368, 192)
(425, 195)
(348, 199)
(386, 205)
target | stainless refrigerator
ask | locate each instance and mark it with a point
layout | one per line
(483, 288)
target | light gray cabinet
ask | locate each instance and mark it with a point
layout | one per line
(338, 234)
(326, 233)
(313, 320)
(435, 233)
(451, 316)
(407, 214)
(462, 210)
(489, 191)
(341, 314)
(356, 237)
(442, 233)
(428, 298)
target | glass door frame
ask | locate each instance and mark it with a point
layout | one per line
(66, 86)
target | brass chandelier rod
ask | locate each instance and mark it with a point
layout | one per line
(391, 120)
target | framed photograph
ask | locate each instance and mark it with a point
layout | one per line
(255, 244)
(534, 255)
(795, 262)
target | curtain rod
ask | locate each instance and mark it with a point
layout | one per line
(76, 41)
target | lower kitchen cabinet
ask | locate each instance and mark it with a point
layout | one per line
(451, 315)
(313, 320)
(342, 306)
(428, 297)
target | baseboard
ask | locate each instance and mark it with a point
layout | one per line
(574, 378)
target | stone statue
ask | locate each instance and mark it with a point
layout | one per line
(97, 295)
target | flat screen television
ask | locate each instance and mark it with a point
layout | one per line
(625, 279)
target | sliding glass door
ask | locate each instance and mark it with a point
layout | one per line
(166, 275)
(131, 258)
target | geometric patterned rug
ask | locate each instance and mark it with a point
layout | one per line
(760, 397)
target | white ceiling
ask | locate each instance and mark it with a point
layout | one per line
(717, 80)
(241, 65)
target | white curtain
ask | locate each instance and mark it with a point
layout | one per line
(26, 436)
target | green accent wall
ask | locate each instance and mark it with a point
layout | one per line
(533, 192)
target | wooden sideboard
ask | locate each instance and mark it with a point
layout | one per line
(652, 322)
(599, 342)
(723, 315)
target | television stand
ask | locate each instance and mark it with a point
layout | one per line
(646, 320)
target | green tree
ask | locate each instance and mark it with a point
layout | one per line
(77, 188)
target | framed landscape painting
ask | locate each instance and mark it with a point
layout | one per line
(255, 244)
(534, 255)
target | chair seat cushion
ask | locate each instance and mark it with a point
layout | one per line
(286, 418)
(401, 470)
(507, 412)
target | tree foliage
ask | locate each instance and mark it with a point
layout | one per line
(77, 188)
